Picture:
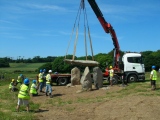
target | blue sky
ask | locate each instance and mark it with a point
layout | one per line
(43, 28)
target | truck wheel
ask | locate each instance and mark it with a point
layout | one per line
(62, 81)
(132, 78)
(115, 80)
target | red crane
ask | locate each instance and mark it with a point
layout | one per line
(108, 29)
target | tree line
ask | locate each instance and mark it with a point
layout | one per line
(56, 63)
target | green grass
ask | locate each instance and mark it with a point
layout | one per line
(24, 67)
(8, 105)
(8, 100)
(27, 69)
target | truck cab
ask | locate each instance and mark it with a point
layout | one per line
(134, 69)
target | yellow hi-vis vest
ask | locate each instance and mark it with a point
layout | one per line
(154, 76)
(11, 85)
(19, 79)
(33, 89)
(48, 78)
(111, 72)
(24, 92)
(40, 77)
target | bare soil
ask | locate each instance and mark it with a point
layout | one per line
(66, 104)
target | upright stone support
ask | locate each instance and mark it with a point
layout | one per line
(75, 76)
(86, 80)
(97, 77)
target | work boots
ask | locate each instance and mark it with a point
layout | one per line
(153, 87)
(46, 94)
(50, 95)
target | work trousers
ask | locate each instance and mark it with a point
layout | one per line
(153, 84)
(41, 86)
(48, 88)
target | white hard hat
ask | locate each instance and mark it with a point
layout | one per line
(50, 71)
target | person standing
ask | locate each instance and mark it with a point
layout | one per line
(34, 88)
(20, 79)
(48, 84)
(23, 95)
(40, 79)
(153, 78)
(111, 73)
(44, 77)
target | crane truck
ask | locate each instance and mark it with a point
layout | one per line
(130, 66)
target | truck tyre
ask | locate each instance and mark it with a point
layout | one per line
(132, 78)
(62, 81)
(115, 80)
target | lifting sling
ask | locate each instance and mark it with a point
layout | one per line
(81, 62)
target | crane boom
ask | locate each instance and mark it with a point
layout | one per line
(108, 29)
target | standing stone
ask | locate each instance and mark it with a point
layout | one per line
(75, 76)
(86, 80)
(97, 77)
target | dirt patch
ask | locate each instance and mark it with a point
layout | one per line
(94, 105)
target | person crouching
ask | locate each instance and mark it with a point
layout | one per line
(34, 88)
(12, 86)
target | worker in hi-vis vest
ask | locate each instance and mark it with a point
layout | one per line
(12, 86)
(153, 78)
(34, 88)
(40, 79)
(20, 79)
(23, 95)
(111, 73)
(48, 84)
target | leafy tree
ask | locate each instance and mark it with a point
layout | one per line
(58, 65)
(47, 66)
(4, 63)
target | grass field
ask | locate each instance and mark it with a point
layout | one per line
(27, 69)
(8, 100)
(21, 67)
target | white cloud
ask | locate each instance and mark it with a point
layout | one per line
(46, 7)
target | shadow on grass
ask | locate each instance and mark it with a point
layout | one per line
(38, 111)
(157, 89)
(31, 111)
(56, 95)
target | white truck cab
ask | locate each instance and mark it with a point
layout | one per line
(134, 69)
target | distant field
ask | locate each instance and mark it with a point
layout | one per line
(22, 67)
(27, 69)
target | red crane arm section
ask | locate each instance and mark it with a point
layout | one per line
(108, 29)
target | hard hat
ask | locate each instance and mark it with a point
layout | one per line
(50, 71)
(55, 72)
(110, 67)
(153, 67)
(33, 81)
(26, 81)
(44, 70)
(12, 80)
(40, 70)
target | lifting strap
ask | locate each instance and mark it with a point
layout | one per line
(82, 62)
(72, 32)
